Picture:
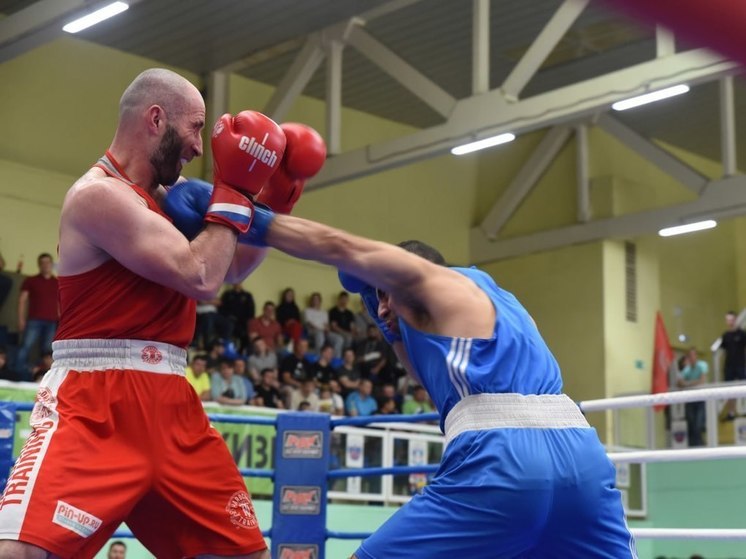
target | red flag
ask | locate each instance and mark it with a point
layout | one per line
(662, 359)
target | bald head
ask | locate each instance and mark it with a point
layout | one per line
(157, 86)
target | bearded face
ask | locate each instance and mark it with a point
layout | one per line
(166, 159)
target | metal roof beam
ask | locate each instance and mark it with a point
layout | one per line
(485, 115)
(582, 165)
(659, 157)
(525, 180)
(542, 47)
(408, 76)
(334, 96)
(723, 198)
(728, 126)
(296, 78)
(480, 47)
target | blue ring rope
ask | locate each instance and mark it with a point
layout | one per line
(397, 418)
(381, 471)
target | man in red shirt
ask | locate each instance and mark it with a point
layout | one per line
(38, 313)
(266, 327)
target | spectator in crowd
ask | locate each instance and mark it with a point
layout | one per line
(228, 388)
(266, 327)
(361, 402)
(199, 378)
(306, 392)
(322, 371)
(210, 324)
(388, 392)
(338, 403)
(268, 391)
(288, 315)
(6, 373)
(241, 371)
(733, 343)
(371, 355)
(237, 306)
(6, 284)
(362, 321)
(261, 358)
(387, 407)
(693, 374)
(349, 373)
(418, 402)
(42, 366)
(326, 401)
(341, 324)
(117, 550)
(316, 322)
(295, 368)
(216, 351)
(38, 312)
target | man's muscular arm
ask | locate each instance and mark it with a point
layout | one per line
(419, 285)
(109, 217)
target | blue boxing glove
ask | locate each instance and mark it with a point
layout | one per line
(186, 204)
(367, 292)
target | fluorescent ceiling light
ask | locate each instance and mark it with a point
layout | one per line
(688, 228)
(482, 144)
(95, 17)
(650, 97)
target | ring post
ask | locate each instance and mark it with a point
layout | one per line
(7, 437)
(302, 448)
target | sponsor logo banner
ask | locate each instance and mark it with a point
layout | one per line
(302, 444)
(300, 499)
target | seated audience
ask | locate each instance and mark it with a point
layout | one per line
(199, 378)
(237, 305)
(322, 371)
(305, 393)
(266, 327)
(341, 324)
(228, 388)
(261, 358)
(361, 402)
(349, 374)
(316, 321)
(268, 391)
(295, 368)
(371, 355)
(288, 315)
(418, 403)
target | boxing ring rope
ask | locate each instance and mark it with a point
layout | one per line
(649, 400)
(641, 456)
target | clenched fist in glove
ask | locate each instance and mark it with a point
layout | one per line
(305, 154)
(246, 149)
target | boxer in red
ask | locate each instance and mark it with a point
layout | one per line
(118, 433)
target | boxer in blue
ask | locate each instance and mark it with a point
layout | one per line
(523, 475)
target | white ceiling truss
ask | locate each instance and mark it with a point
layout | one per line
(565, 111)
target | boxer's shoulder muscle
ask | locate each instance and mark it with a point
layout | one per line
(86, 201)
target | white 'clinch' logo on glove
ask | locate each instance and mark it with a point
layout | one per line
(258, 151)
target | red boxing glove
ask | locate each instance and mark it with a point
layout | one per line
(246, 150)
(305, 154)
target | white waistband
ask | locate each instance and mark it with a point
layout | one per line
(513, 411)
(99, 355)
